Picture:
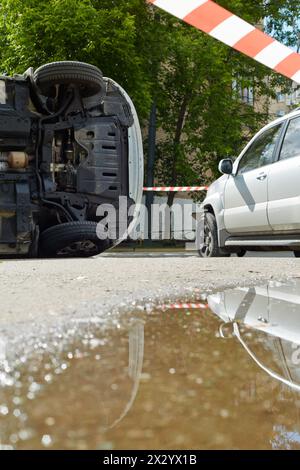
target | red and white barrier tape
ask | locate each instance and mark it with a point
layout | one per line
(175, 189)
(228, 28)
(182, 306)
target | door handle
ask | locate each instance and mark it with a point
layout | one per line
(261, 177)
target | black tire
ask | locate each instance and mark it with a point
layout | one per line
(297, 254)
(72, 239)
(210, 248)
(241, 253)
(88, 77)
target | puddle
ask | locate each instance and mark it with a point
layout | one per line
(223, 375)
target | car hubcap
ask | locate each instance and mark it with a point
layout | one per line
(206, 248)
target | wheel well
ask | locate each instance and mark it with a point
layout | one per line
(209, 209)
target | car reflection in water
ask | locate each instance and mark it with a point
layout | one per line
(270, 314)
(69, 394)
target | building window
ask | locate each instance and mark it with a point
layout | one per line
(280, 97)
(246, 95)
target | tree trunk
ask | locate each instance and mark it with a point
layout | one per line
(171, 197)
(177, 138)
(150, 167)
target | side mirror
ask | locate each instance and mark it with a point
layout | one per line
(226, 166)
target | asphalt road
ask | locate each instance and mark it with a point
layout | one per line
(34, 291)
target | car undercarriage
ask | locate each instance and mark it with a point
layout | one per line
(63, 152)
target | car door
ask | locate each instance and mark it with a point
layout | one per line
(246, 191)
(284, 182)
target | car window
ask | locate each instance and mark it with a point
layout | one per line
(261, 152)
(291, 144)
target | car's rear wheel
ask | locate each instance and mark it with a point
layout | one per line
(241, 253)
(86, 76)
(208, 245)
(72, 239)
(297, 254)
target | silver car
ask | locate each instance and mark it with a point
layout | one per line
(255, 205)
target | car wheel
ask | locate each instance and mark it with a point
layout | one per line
(297, 254)
(209, 248)
(241, 253)
(72, 239)
(88, 77)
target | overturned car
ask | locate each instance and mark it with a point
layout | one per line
(70, 141)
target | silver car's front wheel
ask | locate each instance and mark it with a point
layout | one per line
(207, 238)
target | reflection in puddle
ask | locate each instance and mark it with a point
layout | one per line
(227, 377)
(273, 315)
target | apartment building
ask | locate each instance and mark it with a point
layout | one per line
(285, 103)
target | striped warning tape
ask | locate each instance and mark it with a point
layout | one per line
(180, 189)
(228, 28)
(182, 306)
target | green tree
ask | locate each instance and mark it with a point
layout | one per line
(201, 113)
(157, 58)
(103, 33)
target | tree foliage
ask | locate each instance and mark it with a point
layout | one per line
(201, 112)
(103, 33)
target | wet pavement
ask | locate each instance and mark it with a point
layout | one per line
(223, 375)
